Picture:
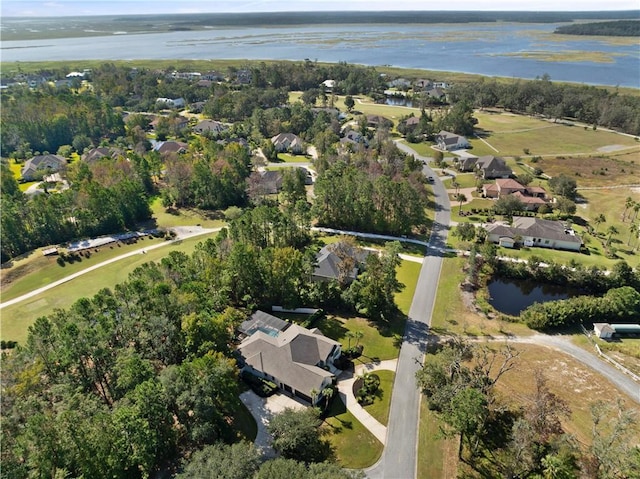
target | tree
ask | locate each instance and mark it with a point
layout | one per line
(611, 453)
(565, 206)
(508, 205)
(611, 232)
(327, 394)
(633, 231)
(564, 185)
(296, 435)
(461, 199)
(599, 220)
(465, 231)
(222, 461)
(628, 203)
(349, 103)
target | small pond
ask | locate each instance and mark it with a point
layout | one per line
(398, 101)
(511, 296)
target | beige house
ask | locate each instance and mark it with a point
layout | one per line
(537, 232)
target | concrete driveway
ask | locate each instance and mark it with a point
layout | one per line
(262, 410)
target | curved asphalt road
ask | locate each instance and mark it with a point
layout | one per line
(400, 453)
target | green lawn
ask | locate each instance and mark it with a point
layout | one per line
(465, 180)
(407, 273)
(354, 446)
(451, 315)
(184, 216)
(380, 407)
(380, 341)
(16, 319)
(288, 158)
(423, 149)
(36, 271)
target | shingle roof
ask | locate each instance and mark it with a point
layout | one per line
(291, 357)
(537, 228)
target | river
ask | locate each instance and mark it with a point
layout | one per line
(492, 49)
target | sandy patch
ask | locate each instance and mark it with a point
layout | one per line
(610, 148)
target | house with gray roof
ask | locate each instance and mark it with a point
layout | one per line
(299, 360)
(488, 167)
(40, 165)
(537, 232)
(288, 142)
(211, 127)
(95, 154)
(330, 265)
(448, 141)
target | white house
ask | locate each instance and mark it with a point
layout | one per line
(447, 141)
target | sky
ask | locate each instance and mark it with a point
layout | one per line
(49, 8)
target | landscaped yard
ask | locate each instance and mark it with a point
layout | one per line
(244, 423)
(380, 341)
(407, 273)
(354, 446)
(16, 319)
(380, 407)
(289, 158)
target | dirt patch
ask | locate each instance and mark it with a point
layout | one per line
(595, 171)
(13, 273)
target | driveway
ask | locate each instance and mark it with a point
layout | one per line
(262, 410)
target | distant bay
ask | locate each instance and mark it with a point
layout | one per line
(520, 50)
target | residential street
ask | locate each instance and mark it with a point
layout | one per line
(400, 454)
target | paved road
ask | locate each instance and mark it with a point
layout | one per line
(399, 458)
(623, 382)
(181, 234)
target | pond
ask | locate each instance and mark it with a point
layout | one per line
(398, 101)
(511, 296)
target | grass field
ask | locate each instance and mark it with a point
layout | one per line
(380, 407)
(16, 319)
(184, 216)
(437, 455)
(511, 134)
(354, 446)
(35, 270)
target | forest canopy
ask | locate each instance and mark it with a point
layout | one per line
(618, 28)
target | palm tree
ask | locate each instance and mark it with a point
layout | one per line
(349, 335)
(633, 229)
(358, 335)
(599, 219)
(314, 396)
(636, 209)
(327, 393)
(628, 203)
(461, 199)
(611, 230)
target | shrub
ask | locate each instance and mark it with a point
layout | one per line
(258, 385)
